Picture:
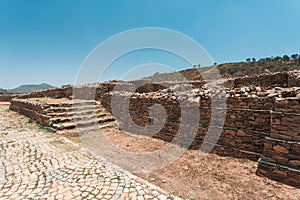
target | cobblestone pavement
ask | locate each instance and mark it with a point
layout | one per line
(35, 164)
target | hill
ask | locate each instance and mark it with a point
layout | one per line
(30, 88)
(233, 70)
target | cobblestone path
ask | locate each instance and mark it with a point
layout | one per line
(35, 164)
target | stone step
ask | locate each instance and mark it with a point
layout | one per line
(79, 113)
(71, 109)
(71, 125)
(76, 118)
(80, 131)
(72, 103)
(72, 113)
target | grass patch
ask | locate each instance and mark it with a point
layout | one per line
(41, 127)
(44, 129)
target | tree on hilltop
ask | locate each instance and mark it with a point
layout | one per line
(286, 58)
(295, 57)
(277, 58)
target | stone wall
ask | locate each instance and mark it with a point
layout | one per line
(246, 120)
(281, 156)
(52, 93)
(265, 81)
(95, 91)
(35, 111)
(294, 79)
(7, 97)
(148, 86)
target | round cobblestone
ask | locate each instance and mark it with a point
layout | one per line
(39, 165)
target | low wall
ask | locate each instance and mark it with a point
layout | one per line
(34, 111)
(52, 93)
(294, 79)
(7, 97)
(265, 81)
(247, 121)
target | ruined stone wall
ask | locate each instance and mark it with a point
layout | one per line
(7, 97)
(283, 79)
(247, 120)
(150, 86)
(258, 125)
(294, 79)
(265, 81)
(52, 93)
(35, 111)
(89, 91)
(281, 156)
(247, 113)
(97, 90)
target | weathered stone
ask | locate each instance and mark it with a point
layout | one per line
(295, 162)
(281, 149)
(241, 133)
(282, 174)
(276, 121)
(268, 145)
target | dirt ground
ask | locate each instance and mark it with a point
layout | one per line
(210, 177)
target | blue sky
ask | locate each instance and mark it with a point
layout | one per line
(47, 40)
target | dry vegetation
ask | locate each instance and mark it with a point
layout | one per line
(232, 70)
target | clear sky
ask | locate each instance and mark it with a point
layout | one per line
(47, 40)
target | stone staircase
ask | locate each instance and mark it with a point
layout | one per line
(76, 117)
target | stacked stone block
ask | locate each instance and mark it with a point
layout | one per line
(242, 132)
(281, 156)
(7, 97)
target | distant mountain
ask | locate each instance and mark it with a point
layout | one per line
(30, 88)
(3, 91)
